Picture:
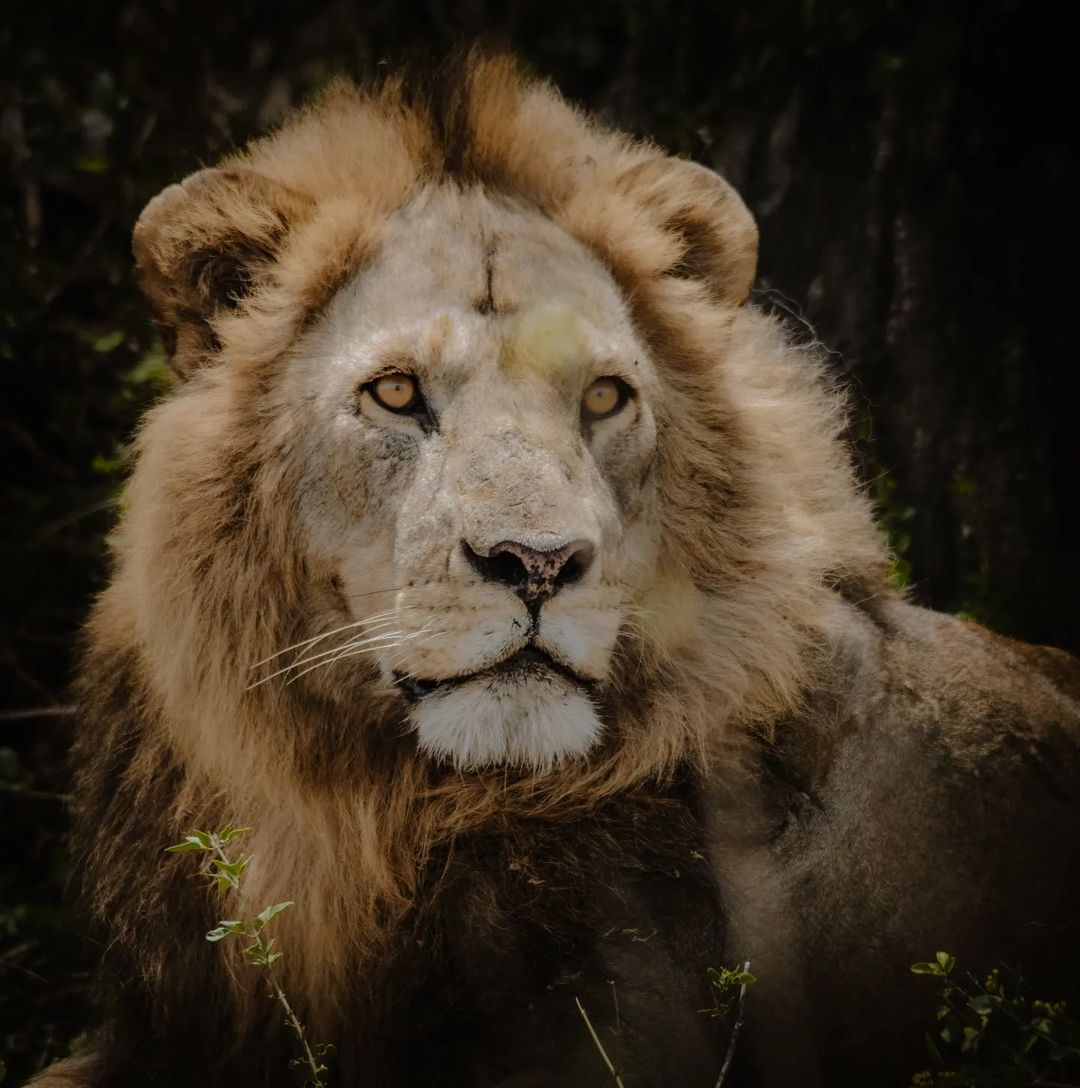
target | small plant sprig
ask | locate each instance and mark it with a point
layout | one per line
(729, 996)
(730, 989)
(225, 874)
(990, 1035)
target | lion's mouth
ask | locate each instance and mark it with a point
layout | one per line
(528, 661)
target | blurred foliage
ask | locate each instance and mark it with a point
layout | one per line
(899, 157)
(994, 1034)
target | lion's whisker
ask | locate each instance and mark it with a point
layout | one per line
(363, 641)
(341, 653)
(374, 592)
(334, 660)
(312, 657)
(367, 620)
(337, 649)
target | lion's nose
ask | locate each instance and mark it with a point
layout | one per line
(535, 576)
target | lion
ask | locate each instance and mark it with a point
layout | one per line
(504, 569)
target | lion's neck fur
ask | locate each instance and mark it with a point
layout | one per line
(347, 813)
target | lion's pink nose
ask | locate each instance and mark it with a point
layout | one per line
(535, 576)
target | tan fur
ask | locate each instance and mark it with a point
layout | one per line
(760, 425)
(760, 520)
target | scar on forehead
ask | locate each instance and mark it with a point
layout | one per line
(546, 338)
(485, 304)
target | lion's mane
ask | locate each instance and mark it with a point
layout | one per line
(764, 526)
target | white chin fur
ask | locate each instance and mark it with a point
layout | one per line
(529, 722)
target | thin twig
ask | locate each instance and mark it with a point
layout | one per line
(599, 1045)
(75, 516)
(293, 1022)
(14, 789)
(37, 712)
(740, 1008)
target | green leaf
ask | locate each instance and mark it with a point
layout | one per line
(92, 164)
(226, 874)
(946, 961)
(109, 342)
(233, 868)
(933, 1051)
(227, 927)
(228, 833)
(262, 954)
(926, 969)
(151, 369)
(264, 916)
(197, 841)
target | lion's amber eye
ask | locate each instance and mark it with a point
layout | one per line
(604, 398)
(395, 392)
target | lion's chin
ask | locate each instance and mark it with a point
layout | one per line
(533, 722)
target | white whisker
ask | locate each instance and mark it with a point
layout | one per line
(327, 653)
(363, 650)
(367, 621)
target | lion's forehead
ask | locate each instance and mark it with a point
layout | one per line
(461, 284)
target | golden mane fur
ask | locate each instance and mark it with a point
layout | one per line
(764, 524)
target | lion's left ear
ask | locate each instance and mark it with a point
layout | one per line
(718, 235)
(203, 245)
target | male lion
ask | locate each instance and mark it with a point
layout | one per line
(506, 573)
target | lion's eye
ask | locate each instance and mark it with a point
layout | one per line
(604, 397)
(395, 392)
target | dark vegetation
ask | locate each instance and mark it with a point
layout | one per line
(908, 166)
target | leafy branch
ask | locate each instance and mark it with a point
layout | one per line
(993, 1035)
(226, 874)
(729, 994)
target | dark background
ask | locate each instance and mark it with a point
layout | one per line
(909, 168)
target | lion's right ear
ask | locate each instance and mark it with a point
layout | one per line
(204, 245)
(716, 233)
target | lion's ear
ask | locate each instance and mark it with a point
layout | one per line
(718, 235)
(202, 246)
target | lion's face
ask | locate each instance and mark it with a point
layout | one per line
(479, 437)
